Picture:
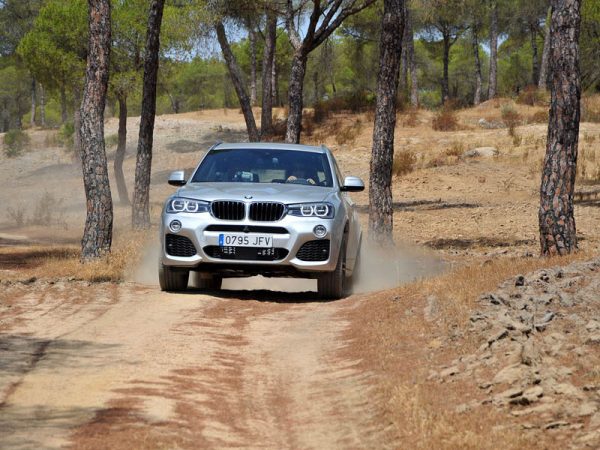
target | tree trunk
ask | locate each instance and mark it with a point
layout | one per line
(295, 92)
(535, 63)
(556, 215)
(493, 82)
(275, 81)
(410, 47)
(143, 165)
(252, 39)
(478, 78)
(77, 123)
(97, 236)
(381, 214)
(236, 77)
(445, 77)
(543, 80)
(120, 154)
(33, 102)
(63, 105)
(266, 119)
(43, 106)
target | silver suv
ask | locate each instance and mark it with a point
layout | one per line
(261, 209)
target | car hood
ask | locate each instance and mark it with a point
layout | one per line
(274, 192)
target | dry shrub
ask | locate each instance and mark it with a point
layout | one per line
(411, 118)
(456, 149)
(349, 133)
(588, 138)
(539, 117)
(532, 96)
(404, 162)
(511, 118)
(590, 109)
(308, 123)
(445, 120)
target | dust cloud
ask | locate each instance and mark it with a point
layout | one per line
(379, 269)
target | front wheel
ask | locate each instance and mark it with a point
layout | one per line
(331, 285)
(208, 283)
(171, 279)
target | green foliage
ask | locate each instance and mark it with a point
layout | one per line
(15, 142)
(65, 135)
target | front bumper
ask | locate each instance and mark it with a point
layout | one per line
(298, 231)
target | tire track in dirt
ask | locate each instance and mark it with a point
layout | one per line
(147, 369)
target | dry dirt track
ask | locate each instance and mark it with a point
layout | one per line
(126, 366)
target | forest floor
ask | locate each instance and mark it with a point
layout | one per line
(460, 338)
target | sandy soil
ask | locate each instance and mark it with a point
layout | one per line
(122, 365)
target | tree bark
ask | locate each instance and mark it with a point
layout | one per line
(410, 46)
(143, 165)
(77, 124)
(543, 80)
(238, 83)
(295, 101)
(478, 77)
(97, 235)
(120, 154)
(63, 105)
(43, 106)
(275, 80)
(446, 62)
(535, 63)
(266, 119)
(33, 103)
(493, 82)
(252, 38)
(556, 215)
(381, 214)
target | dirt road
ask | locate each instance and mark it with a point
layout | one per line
(126, 366)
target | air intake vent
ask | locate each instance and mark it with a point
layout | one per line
(180, 246)
(314, 251)
(225, 210)
(266, 211)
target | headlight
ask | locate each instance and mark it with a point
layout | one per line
(187, 205)
(321, 210)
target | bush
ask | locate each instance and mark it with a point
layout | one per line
(532, 96)
(348, 133)
(111, 140)
(66, 134)
(445, 120)
(457, 149)
(15, 142)
(511, 118)
(539, 117)
(404, 162)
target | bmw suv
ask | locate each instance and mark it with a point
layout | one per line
(277, 210)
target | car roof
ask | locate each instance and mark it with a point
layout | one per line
(268, 146)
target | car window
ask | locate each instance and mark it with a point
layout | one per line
(264, 166)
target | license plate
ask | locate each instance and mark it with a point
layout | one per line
(245, 240)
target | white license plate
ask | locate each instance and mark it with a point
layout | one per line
(245, 240)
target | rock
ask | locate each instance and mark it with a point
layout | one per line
(528, 353)
(520, 281)
(592, 325)
(432, 309)
(556, 424)
(449, 372)
(509, 393)
(533, 394)
(595, 421)
(496, 335)
(544, 321)
(568, 390)
(510, 375)
(481, 152)
(586, 409)
(593, 339)
(538, 409)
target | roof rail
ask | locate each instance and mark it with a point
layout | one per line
(215, 145)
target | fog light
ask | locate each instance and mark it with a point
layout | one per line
(320, 231)
(175, 226)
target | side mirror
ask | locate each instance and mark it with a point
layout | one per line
(177, 178)
(353, 184)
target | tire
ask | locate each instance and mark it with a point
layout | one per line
(331, 285)
(213, 283)
(171, 279)
(355, 278)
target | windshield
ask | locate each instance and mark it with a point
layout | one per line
(264, 166)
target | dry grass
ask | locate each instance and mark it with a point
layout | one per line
(511, 118)
(54, 261)
(349, 133)
(404, 162)
(590, 109)
(445, 120)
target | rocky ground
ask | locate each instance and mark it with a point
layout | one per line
(539, 357)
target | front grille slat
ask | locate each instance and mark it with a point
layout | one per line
(314, 251)
(228, 210)
(179, 246)
(266, 211)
